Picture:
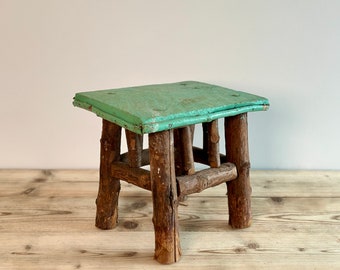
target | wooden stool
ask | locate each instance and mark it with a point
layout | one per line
(168, 114)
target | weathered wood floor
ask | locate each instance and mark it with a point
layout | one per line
(47, 222)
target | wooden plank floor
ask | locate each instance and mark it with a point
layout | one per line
(47, 222)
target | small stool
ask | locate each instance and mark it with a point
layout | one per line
(168, 114)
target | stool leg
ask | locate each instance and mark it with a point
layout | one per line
(178, 152)
(239, 190)
(211, 140)
(184, 157)
(164, 194)
(188, 157)
(135, 147)
(109, 187)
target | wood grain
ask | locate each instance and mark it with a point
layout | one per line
(135, 148)
(237, 152)
(211, 140)
(46, 222)
(164, 197)
(207, 178)
(136, 176)
(109, 187)
(184, 159)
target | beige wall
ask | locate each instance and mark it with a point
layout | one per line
(286, 50)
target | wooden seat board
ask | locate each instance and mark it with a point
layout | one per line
(154, 108)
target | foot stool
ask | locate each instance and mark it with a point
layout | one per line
(168, 114)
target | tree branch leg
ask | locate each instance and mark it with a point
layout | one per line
(109, 187)
(164, 194)
(239, 190)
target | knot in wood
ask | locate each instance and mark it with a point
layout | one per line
(215, 138)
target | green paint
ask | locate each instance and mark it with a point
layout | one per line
(153, 108)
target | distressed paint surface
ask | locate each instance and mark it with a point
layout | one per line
(154, 108)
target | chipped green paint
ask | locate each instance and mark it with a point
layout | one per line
(153, 108)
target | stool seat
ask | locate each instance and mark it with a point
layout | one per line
(154, 108)
(168, 113)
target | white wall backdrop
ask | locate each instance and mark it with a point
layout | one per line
(288, 51)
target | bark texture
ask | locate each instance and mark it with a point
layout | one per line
(239, 190)
(135, 148)
(188, 184)
(109, 186)
(164, 194)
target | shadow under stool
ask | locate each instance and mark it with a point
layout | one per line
(168, 113)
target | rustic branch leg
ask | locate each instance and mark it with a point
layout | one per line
(178, 152)
(205, 137)
(135, 146)
(192, 130)
(188, 156)
(184, 157)
(239, 190)
(211, 140)
(164, 194)
(109, 187)
(213, 146)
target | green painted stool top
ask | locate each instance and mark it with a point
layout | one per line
(153, 108)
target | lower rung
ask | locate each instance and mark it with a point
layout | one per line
(188, 184)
